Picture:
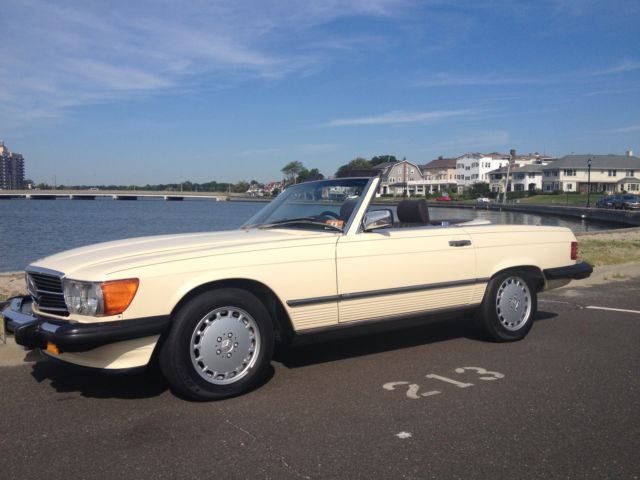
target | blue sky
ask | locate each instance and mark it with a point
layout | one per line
(151, 92)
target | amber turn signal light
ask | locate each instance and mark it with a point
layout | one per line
(118, 294)
(574, 250)
(52, 348)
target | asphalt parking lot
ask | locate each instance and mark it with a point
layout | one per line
(430, 402)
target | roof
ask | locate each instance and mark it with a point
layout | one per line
(597, 161)
(440, 163)
(533, 168)
(382, 166)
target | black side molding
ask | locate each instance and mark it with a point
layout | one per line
(573, 272)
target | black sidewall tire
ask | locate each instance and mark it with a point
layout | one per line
(175, 358)
(487, 317)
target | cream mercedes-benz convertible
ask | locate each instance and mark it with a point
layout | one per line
(322, 257)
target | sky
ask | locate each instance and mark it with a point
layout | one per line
(146, 92)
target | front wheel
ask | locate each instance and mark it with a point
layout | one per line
(509, 305)
(220, 345)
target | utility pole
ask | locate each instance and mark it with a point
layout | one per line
(589, 183)
(512, 158)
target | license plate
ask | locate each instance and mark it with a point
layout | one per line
(3, 330)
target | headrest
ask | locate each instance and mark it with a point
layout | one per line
(413, 211)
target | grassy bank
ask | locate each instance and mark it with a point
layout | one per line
(609, 252)
(572, 199)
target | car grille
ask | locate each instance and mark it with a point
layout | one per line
(46, 292)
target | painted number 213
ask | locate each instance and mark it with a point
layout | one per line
(413, 389)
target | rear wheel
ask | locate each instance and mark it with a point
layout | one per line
(220, 345)
(508, 307)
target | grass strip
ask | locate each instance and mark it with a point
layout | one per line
(609, 252)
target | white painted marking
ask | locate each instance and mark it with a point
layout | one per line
(591, 307)
(404, 435)
(482, 371)
(431, 392)
(413, 391)
(448, 380)
(392, 385)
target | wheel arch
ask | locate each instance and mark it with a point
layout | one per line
(283, 328)
(535, 273)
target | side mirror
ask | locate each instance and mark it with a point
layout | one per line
(377, 219)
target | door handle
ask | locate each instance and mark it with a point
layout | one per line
(459, 243)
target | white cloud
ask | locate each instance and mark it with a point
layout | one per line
(399, 117)
(73, 53)
(477, 79)
(627, 129)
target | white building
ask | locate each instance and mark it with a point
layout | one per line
(475, 167)
(602, 173)
(523, 178)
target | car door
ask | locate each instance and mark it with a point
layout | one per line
(403, 271)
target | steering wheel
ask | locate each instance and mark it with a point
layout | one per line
(329, 213)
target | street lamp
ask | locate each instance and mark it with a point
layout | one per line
(589, 183)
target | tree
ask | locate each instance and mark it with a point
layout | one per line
(291, 170)
(480, 189)
(308, 175)
(355, 164)
(240, 187)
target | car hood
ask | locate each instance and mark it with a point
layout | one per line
(99, 261)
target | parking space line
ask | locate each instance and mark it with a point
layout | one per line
(613, 309)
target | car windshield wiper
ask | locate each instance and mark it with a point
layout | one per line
(299, 221)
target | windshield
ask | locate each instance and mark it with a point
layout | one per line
(326, 205)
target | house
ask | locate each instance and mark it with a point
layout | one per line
(475, 167)
(608, 173)
(523, 178)
(439, 174)
(273, 187)
(400, 179)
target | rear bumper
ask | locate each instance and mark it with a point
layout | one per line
(33, 331)
(571, 272)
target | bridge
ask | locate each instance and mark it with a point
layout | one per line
(111, 194)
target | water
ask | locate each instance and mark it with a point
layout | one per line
(32, 229)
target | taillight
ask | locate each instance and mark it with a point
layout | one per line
(574, 250)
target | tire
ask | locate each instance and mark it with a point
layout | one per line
(509, 305)
(220, 345)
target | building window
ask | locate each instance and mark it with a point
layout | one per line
(633, 187)
(630, 173)
(613, 173)
(569, 173)
(569, 186)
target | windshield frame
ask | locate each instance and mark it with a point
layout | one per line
(275, 204)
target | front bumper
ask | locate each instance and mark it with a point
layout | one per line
(571, 272)
(33, 331)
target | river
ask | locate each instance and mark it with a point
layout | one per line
(32, 229)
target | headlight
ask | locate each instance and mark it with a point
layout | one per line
(99, 298)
